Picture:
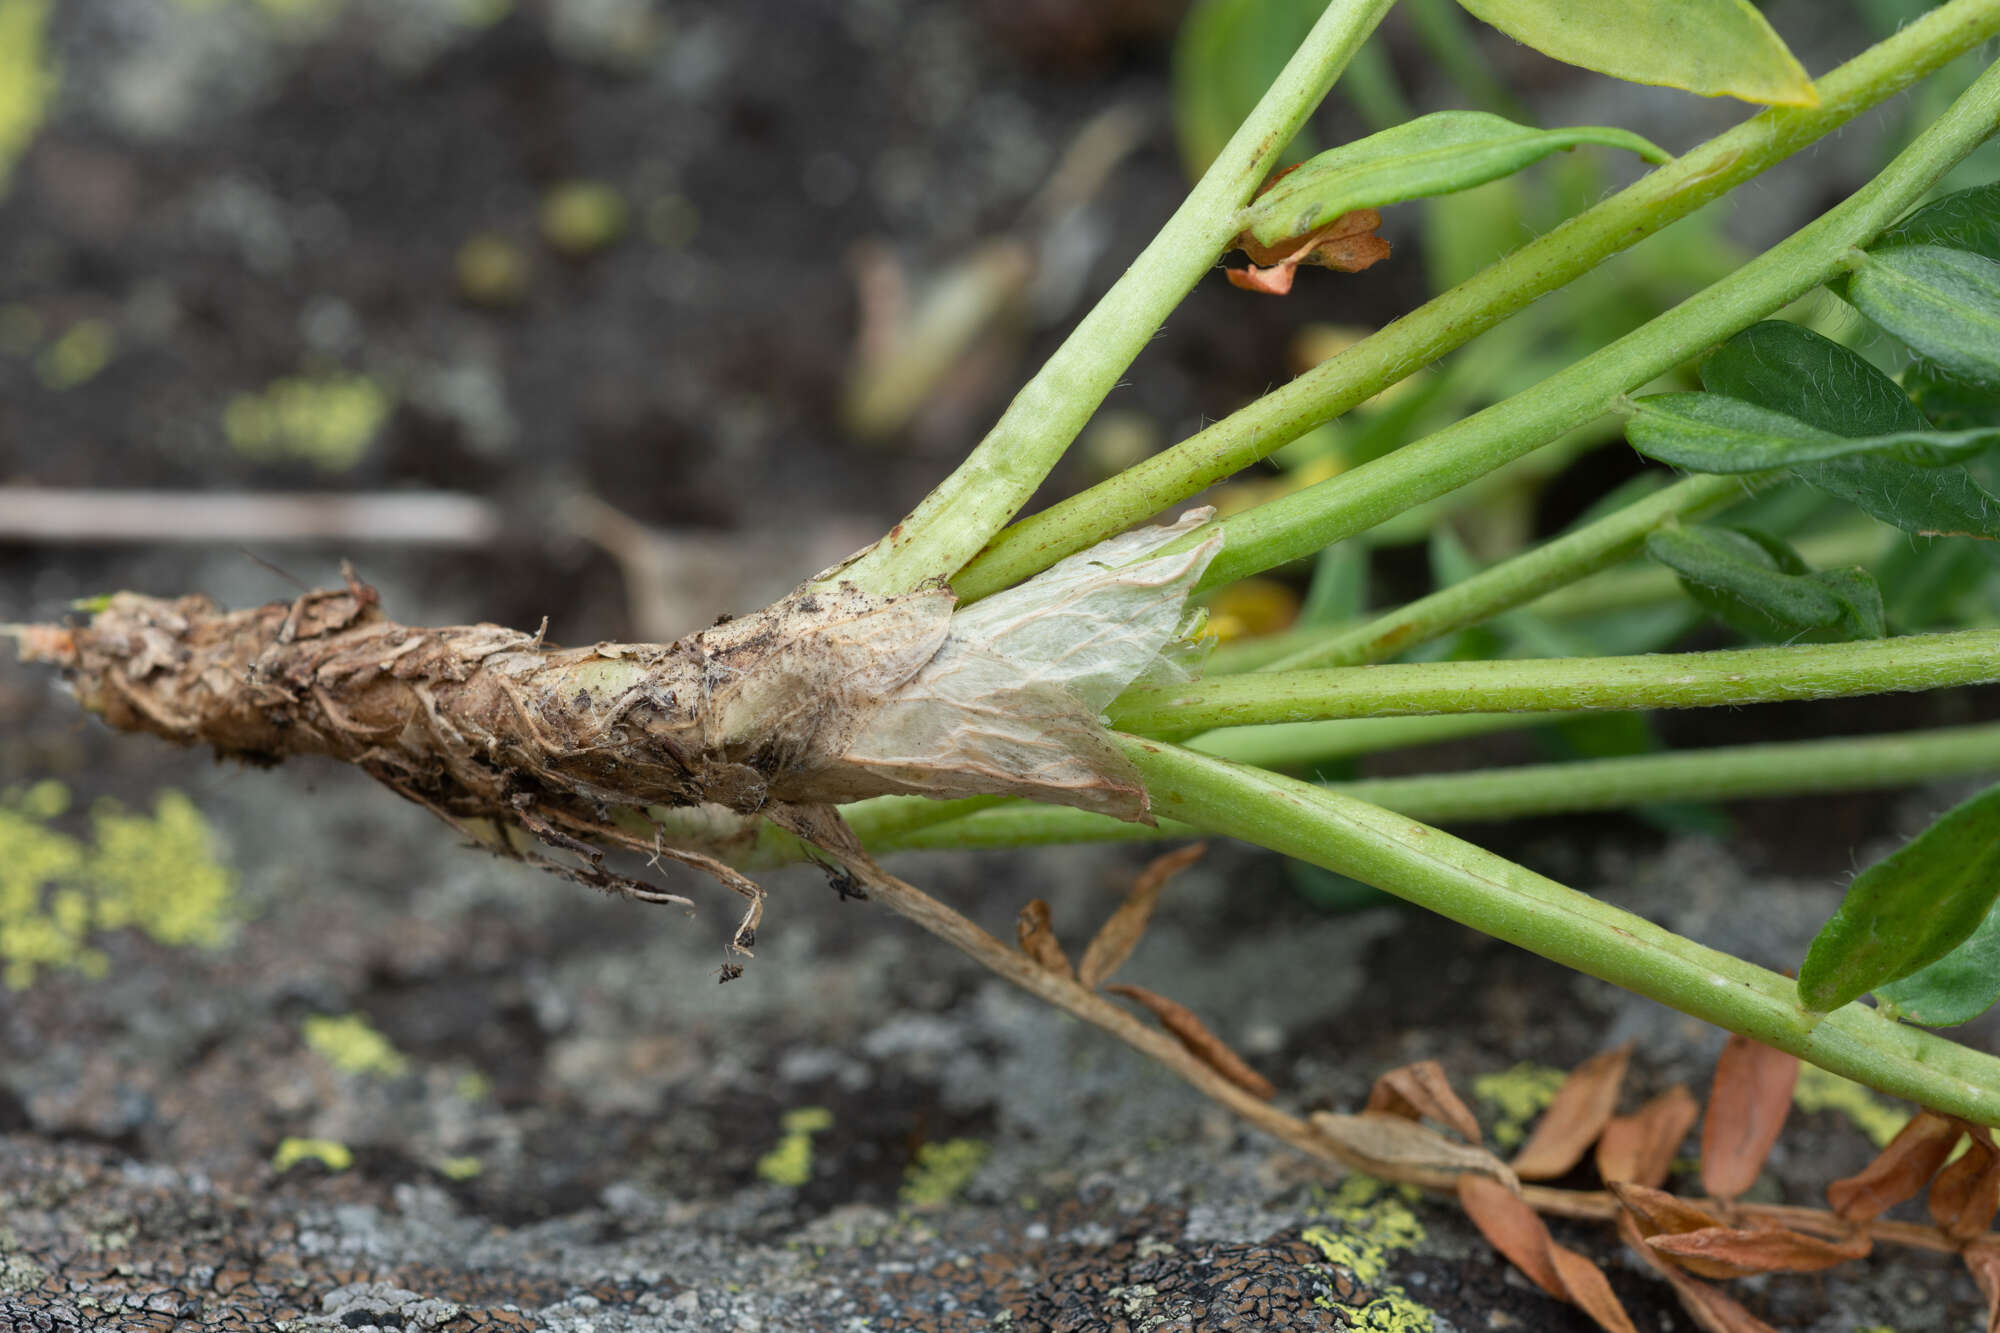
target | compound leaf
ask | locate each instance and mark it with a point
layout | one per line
(1758, 586)
(1944, 303)
(1710, 432)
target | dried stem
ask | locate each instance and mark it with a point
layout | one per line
(1073, 997)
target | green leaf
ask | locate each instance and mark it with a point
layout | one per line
(1339, 589)
(1431, 155)
(1226, 54)
(1718, 48)
(1909, 910)
(1967, 220)
(1758, 586)
(1797, 372)
(1709, 432)
(1944, 303)
(1957, 988)
(1951, 403)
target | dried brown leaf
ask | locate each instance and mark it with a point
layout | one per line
(1518, 1232)
(1122, 931)
(1747, 1105)
(1899, 1170)
(1397, 1149)
(1415, 1091)
(1513, 1228)
(1575, 1118)
(1651, 1212)
(1966, 1194)
(1983, 1259)
(1590, 1291)
(1178, 1019)
(1640, 1147)
(1711, 1310)
(1347, 244)
(1732, 1252)
(1038, 939)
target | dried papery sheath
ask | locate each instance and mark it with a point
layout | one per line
(828, 695)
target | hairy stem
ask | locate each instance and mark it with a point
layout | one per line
(999, 476)
(1655, 680)
(1455, 317)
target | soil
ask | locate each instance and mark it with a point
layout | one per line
(535, 1108)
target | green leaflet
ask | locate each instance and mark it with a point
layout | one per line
(1758, 586)
(1227, 53)
(1431, 155)
(1957, 988)
(1909, 910)
(1708, 432)
(1944, 303)
(1966, 220)
(1718, 48)
(1951, 403)
(1797, 372)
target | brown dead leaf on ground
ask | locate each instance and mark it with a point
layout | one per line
(1747, 1105)
(1518, 1233)
(1122, 931)
(1395, 1148)
(1983, 1258)
(1966, 1193)
(1194, 1034)
(1575, 1118)
(1038, 939)
(1420, 1090)
(1739, 1252)
(1641, 1147)
(1899, 1170)
(1711, 1310)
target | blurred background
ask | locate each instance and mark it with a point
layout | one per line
(628, 313)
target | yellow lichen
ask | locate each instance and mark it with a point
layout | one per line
(327, 420)
(1877, 1117)
(333, 1154)
(580, 217)
(1371, 1221)
(1519, 1095)
(790, 1163)
(153, 873)
(473, 1086)
(350, 1044)
(460, 1168)
(75, 358)
(28, 79)
(942, 1171)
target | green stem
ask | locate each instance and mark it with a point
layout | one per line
(1737, 772)
(1456, 316)
(1522, 578)
(1491, 894)
(999, 476)
(1298, 524)
(1657, 680)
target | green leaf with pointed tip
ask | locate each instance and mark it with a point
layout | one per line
(1709, 432)
(1909, 910)
(1944, 303)
(1757, 585)
(1966, 220)
(1718, 48)
(1957, 988)
(1431, 155)
(1795, 371)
